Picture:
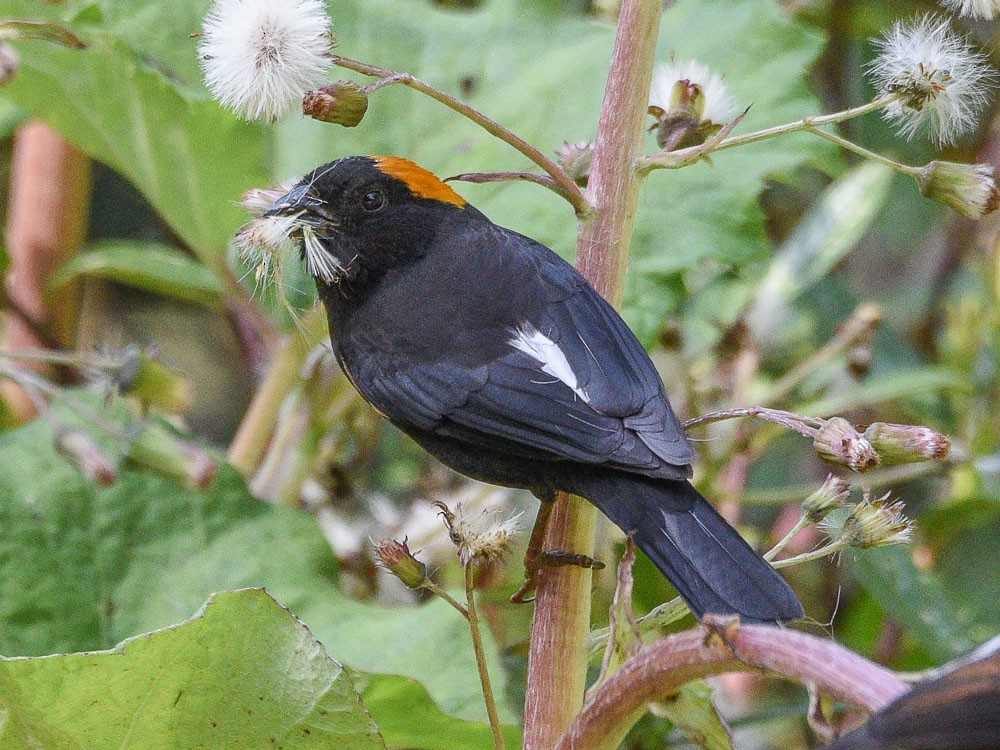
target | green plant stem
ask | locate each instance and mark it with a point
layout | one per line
(874, 479)
(559, 647)
(562, 183)
(255, 430)
(862, 322)
(477, 644)
(830, 549)
(75, 359)
(862, 151)
(777, 549)
(685, 156)
(440, 592)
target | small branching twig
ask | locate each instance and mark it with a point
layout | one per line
(567, 188)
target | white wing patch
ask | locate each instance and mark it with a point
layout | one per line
(547, 353)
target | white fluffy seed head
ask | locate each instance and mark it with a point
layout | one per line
(260, 56)
(984, 9)
(720, 107)
(944, 83)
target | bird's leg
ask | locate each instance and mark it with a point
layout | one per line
(535, 557)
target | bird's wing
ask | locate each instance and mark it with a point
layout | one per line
(571, 382)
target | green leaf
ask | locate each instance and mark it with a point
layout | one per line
(190, 159)
(150, 266)
(82, 568)
(243, 673)
(821, 239)
(395, 701)
(915, 599)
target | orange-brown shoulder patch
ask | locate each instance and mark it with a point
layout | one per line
(421, 183)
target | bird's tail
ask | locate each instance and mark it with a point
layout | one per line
(705, 558)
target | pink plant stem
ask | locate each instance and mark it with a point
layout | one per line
(716, 648)
(557, 660)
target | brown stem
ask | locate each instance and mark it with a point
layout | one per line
(538, 179)
(719, 647)
(557, 661)
(566, 187)
(800, 423)
(50, 192)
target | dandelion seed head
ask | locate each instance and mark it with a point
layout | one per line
(984, 9)
(260, 56)
(719, 105)
(484, 536)
(945, 84)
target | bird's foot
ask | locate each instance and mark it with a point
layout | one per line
(555, 558)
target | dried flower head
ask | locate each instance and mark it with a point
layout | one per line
(970, 189)
(877, 523)
(837, 442)
(397, 559)
(260, 56)
(943, 83)
(832, 494)
(716, 105)
(484, 537)
(907, 443)
(985, 9)
(263, 243)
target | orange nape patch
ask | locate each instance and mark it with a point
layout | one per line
(422, 184)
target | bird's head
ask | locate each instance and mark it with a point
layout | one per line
(364, 215)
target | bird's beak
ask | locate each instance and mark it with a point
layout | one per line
(296, 201)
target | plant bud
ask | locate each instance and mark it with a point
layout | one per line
(576, 158)
(340, 103)
(904, 443)
(397, 559)
(148, 380)
(970, 189)
(158, 449)
(832, 494)
(81, 451)
(837, 442)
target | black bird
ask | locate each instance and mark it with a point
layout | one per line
(957, 710)
(500, 359)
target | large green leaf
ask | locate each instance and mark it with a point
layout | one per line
(82, 568)
(145, 265)
(119, 102)
(915, 599)
(395, 701)
(244, 673)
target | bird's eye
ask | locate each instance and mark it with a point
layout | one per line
(372, 200)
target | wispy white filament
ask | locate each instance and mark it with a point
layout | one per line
(973, 8)
(719, 105)
(945, 83)
(260, 56)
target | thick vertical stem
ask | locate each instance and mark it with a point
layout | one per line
(557, 662)
(47, 222)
